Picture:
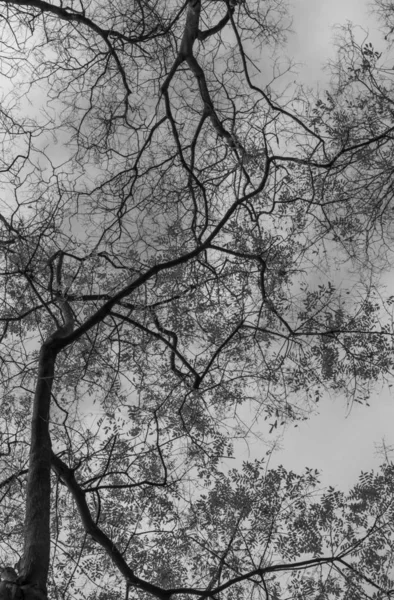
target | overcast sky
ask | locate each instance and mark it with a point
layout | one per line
(314, 25)
(338, 441)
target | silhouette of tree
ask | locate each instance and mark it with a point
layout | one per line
(173, 234)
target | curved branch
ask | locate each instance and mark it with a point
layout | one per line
(66, 475)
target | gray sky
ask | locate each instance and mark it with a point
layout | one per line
(314, 24)
(337, 441)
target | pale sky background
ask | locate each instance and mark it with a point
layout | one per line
(339, 442)
(314, 24)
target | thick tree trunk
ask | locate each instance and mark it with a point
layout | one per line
(18, 591)
(35, 562)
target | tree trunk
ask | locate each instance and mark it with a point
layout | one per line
(35, 561)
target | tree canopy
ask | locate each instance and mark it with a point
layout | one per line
(184, 240)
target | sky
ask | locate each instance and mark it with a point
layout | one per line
(339, 441)
(314, 23)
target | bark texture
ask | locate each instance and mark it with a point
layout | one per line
(35, 563)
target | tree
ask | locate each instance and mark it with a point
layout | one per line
(172, 230)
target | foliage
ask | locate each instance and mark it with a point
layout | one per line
(179, 241)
